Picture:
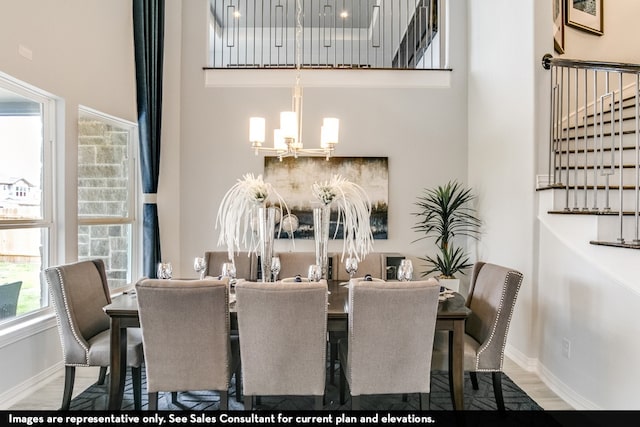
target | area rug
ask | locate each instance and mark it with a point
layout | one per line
(515, 399)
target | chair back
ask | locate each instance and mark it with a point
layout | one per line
(294, 263)
(491, 299)
(9, 294)
(373, 264)
(283, 332)
(391, 330)
(246, 264)
(185, 334)
(79, 292)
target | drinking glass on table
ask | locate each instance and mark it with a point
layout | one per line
(315, 273)
(199, 265)
(351, 265)
(164, 270)
(229, 270)
(275, 267)
(405, 270)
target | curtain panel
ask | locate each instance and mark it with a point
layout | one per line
(148, 34)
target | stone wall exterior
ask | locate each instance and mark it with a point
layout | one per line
(103, 191)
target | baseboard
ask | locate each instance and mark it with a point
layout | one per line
(16, 394)
(527, 363)
(565, 392)
(549, 379)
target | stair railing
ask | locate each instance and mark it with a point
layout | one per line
(595, 126)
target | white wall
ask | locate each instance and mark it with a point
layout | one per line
(82, 52)
(501, 144)
(567, 293)
(586, 294)
(423, 132)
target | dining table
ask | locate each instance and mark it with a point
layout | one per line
(451, 317)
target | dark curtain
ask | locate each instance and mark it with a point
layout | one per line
(148, 35)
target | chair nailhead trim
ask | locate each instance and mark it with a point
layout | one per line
(59, 321)
(493, 330)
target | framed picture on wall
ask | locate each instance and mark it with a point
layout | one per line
(585, 15)
(558, 25)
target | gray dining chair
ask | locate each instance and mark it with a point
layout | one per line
(186, 337)
(373, 264)
(9, 295)
(390, 339)
(492, 297)
(79, 292)
(282, 329)
(246, 264)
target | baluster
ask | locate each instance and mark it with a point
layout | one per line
(620, 160)
(595, 141)
(636, 241)
(575, 149)
(586, 140)
(567, 127)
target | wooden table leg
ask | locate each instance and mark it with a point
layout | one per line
(456, 363)
(118, 364)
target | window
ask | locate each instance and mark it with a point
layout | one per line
(26, 214)
(107, 194)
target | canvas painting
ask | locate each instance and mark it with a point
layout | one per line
(293, 179)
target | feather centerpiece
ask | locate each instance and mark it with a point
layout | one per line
(238, 213)
(354, 211)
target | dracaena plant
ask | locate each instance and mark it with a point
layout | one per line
(445, 212)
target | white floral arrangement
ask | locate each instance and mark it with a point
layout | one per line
(237, 214)
(354, 210)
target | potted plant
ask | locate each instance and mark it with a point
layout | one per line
(445, 212)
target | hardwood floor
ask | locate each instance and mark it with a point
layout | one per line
(48, 397)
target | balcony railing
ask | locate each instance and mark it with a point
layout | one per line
(594, 137)
(381, 34)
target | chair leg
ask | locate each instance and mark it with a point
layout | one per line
(497, 389)
(355, 403)
(69, 378)
(103, 375)
(174, 397)
(224, 400)
(343, 381)
(474, 379)
(153, 401)
(136, 379)
(318, 403)
(333, 355)
(248, 403)
(239, 396)
(425, 401)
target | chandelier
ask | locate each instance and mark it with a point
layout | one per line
(287, 140)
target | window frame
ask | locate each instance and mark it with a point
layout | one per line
(133, 194)
(47, 222)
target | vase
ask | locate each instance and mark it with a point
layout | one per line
(321, 235)
(267, 228)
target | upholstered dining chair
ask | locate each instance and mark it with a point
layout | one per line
(79, 292)
(246, 264)
(185, 332)
(294, 263)
(282, 329)
(373, 264)
(9, 294)
(491, 298)
(390, 339)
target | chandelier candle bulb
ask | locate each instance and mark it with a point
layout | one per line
(289, 125)
(257, 130)
(331, 127)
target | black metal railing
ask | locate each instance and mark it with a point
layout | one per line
(594, 140)
(398, 34)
